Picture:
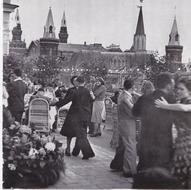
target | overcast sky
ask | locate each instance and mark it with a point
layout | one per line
(109, 21)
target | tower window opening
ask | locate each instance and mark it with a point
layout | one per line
(50, 29)
(176, 37)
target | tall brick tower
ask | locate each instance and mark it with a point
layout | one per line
(63, 35)
(17, 46)
(174, 49)
(49, 42)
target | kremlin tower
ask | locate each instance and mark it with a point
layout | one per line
(49, 42)
(17, 46)
(174, 49)
(139, 42)
(63, 35)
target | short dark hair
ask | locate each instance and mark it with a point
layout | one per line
(73, 78)
(17, 72)
(40, 89)
(186, 82)
(128, 84)
(163, 80)
(80, 79)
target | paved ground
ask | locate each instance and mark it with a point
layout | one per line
(94, 173)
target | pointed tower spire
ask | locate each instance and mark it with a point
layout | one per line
(17, 46)
(63, 35)
(17, 17)
(49, 29)
(174, 36)
(140, 24)
(140, 37)
(17, 32)
(63, 22)
(174, 49)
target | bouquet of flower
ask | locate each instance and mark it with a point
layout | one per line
(31, 159)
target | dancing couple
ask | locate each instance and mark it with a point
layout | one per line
(79, 115)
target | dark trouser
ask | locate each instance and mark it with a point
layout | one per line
(82, 142)
(117, 162)
(91, 127)
(17, 115)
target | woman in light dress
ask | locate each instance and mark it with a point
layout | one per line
(98, 106)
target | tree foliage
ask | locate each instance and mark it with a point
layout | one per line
(46, 69)
(10, 63)
(92, 64)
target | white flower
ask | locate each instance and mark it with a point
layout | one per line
(42, 151)
(33, 152)
(50, 146)
(11, 166)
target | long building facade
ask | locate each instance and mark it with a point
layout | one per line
(117, 62)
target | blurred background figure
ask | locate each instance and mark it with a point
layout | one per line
(99, 92)
(147, 87)
(17, 91)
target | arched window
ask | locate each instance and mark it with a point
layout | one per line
(50, 29)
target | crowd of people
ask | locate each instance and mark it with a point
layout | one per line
(160, 157)
(87, 108)
(153, 157)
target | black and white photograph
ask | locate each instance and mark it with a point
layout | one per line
(96, 94)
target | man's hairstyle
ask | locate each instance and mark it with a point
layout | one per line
(17, 72)
(40, 90)
(186, 82)
(73, 78)
(163, 80)
(147, 87)
(80, 79)
(128, 84)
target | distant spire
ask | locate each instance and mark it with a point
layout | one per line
(140, 24)
(174, 36)
(17, 17)
(63, 34)
(63, 22)
(49, 29)
(139, 42)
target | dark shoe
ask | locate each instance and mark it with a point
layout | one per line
(67, 152)
(128, 175)
(90, 132)
(87, 157)
(99, 134)
(75, 153)
(95, 135)
(116, 164)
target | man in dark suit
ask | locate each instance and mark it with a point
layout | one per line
(17, 91)
(81, 110)
(155, 145)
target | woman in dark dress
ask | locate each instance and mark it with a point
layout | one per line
(182, 115)
(68, 126)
